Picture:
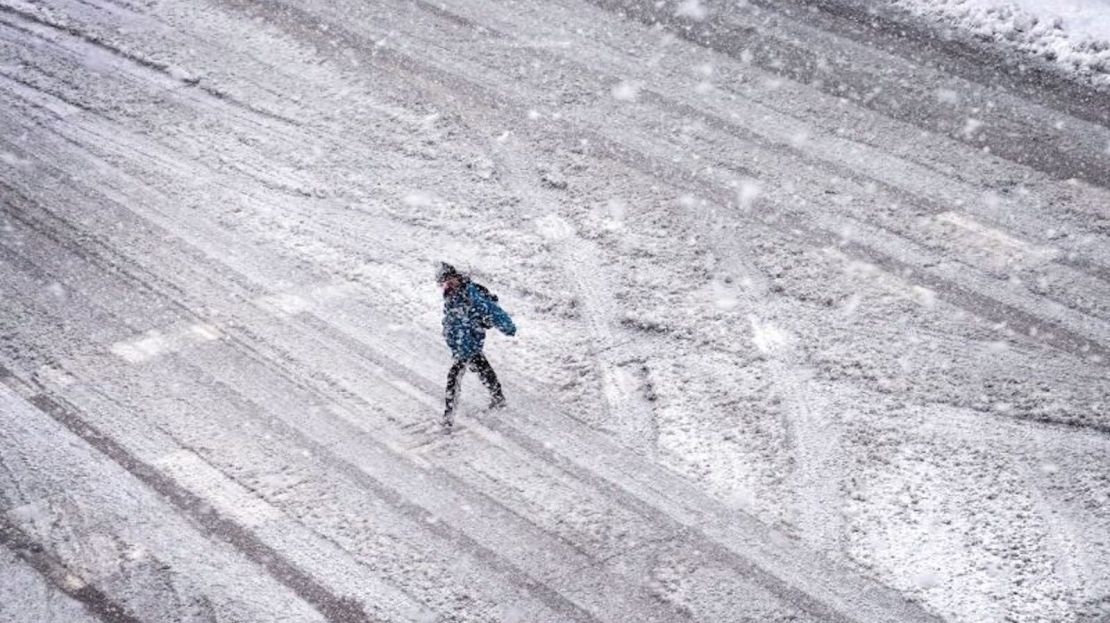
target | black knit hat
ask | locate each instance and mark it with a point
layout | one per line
(445, 272)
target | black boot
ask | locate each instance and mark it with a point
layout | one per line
(454, 376)
(489, 378)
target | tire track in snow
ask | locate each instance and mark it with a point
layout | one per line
(1073, 338)
(1049, 333)
(36, 598)
(893, 92)
(342, 394)
(156, 67)
(756, 105)
(1026, 327)
(432, 496)
(333, 607)
(633, 416)
(909, 182)
(1064, 540)
(627, 411)
(775, 585)
(811, 429)
(541, 449)
(980, 305)
(116, 533)
(655, 492)
(1059, 539)
(419, 516)
(1060, 332)
(99, 604)
(889, 28)
(214, 497)
(374, 467)
(216, 488)
(620, 386)
(192, 505)
(413, 499)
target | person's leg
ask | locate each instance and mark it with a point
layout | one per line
(454, 376)
(480, 364)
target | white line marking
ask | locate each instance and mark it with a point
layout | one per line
(1004, 250)
(156, 343)
(227, 496)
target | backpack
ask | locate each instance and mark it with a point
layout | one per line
(485, 322)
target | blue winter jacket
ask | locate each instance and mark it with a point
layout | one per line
(464, 309)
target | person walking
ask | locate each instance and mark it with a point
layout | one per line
(468, 310)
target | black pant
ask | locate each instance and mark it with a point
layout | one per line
(479, 364)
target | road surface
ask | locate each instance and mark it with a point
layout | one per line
(814, 315)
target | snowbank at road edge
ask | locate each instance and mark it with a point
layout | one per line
(1073, 35)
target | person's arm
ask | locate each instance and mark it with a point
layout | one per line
(497, 316)
(501, 319)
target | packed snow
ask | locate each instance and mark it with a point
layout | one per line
(1074, 35)
(810, 329)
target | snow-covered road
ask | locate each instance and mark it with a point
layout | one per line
(814, 315)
